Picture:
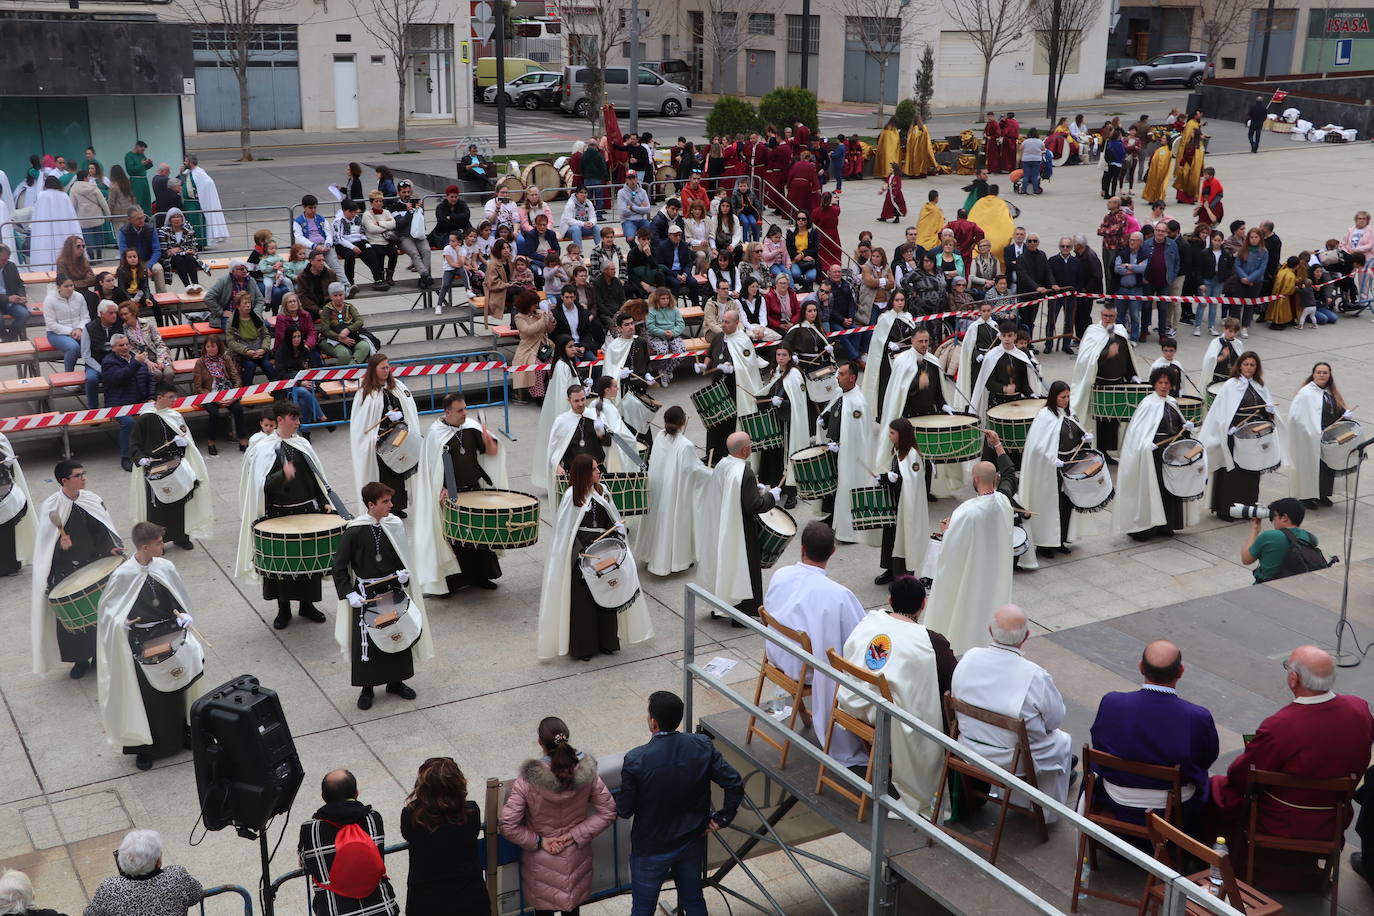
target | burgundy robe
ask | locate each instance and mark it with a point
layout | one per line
(803, 186)
(826, 221)
(779, 161)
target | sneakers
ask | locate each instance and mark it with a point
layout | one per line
(1244, 333)
(1215, 332)
(1197, 330)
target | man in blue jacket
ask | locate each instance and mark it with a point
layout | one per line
(137, 233)
(678, 263)
(665, 786)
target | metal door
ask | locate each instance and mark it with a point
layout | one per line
(760, 72)
(345, 92)
(1280, 42)
(861, 76)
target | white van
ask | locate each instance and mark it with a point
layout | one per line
(656, 95)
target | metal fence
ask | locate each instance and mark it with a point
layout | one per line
(229, 889)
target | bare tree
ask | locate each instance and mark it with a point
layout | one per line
(229, 28)
(1224, 22)
(878, 26)
(1059, 27)
(993, 26)
(593, 29)
(389, 22)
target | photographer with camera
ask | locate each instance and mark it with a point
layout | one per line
(1286, 550)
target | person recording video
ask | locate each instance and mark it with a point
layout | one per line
(1271, 549)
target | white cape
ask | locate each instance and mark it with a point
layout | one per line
(799, 431)
(856, 449)
(973, 575)
(911, 537)
(555, 600)
(1209, 358)
(748, 383)
(1095, 340)
(561, 376)
(667, 539)
(609, 414)
(1303, 445)
(722, 563)
(901, 651)
(52, 222)
(362, 434)
(6, 192)
(200, 508)
(121, 702)
(434, 559)
(878, 352)
(7, 220)
(345, 618)
(1222, 415)
(1138, 501)
(904, 368)
(967, 365)
(216, 226)
(979, 395)
(1039, 484)
(25, 530)
(42, 634)
(257, 464)
(613, 358)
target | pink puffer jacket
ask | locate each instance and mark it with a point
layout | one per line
(536, 808)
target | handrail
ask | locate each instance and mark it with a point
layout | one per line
(1178, 889)
(228, 889)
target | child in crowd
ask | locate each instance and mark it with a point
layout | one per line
(555, 276)
(275, 283)
(296, 261)
(453, 270)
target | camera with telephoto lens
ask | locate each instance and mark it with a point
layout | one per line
(1240, 510)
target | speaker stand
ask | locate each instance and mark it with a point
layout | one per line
(269, 892)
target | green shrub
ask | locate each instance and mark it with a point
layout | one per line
(782, 107)
(905, 114)
(730, 116)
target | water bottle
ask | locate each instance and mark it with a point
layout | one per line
(1083, 885)
(1214, 886)
(777, 705)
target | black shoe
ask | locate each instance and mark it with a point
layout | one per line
(379, 287)
(1325, 501)
(483, 583)
(1070, 351)
(401, 689)
(884, 578)
(243, 446)
(79, 669)
(1046, 552)
(790, 502)
(312, 613)
(584, 658)
(1311, 503)
(283, 619)
(365, 698)
(185, 544)
(143, 761)
(126, 464)
(1110, 459)
(214, 449)
(1064, 549)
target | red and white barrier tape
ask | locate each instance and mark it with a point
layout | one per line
(1196, 300)
(70, 417)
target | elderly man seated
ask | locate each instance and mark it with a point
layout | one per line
(223, 292)
(1000, 679)
(341, 329)
(95, 343)
(144, 885)
(1320, 735)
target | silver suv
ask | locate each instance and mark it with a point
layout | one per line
(656, 95)
(1188, 68)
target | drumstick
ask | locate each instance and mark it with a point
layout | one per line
(57, 523)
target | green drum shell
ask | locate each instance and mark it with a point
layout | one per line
(872, 508)
(763, 428)
(1013, 429)
(818, 476)
(79, 611)
(943, 443)
(714, 403)
(481, 526)
(772, 543)
(282, 554)
(629, 492)
(1117, 402)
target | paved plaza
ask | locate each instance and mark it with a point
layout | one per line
(67, 795)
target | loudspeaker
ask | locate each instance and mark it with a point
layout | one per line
(247, 768)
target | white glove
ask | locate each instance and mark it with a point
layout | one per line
(1231, 431)
(624, 372)
(1348, 415)
(180, 441)
(979, 357)
(699, 367)
(599, 427)
(403, 576)
(587, 383)
(620, 528)
(1087, 437)
(829, 350)
(1269, 408)
(893, 347)
(834, 447)
(776, 493)
(1153, 446)
(882, 283)
(649, 377)
(9, 459)
(727, 368)
(948, 409)
(1058, 463)
(891, 476)
(184, 620)
(777, 402)
(1190, 426)
(1137, 379)
(393, 415)
(354, 599)
(144, 462)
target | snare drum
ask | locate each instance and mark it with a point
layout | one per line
(1338, 452)
(296, 545)
(1256, 447)
(1185, 469)
(638, 409)
(872, 508)
(1012, 421)
(763, 428)
(1191, 408)
(944, 438)
(392, 622)
(1117, 402)
(1088, 482)
(76, 599)
(714, 403)
(821, 384)
(491, 518)
(1020, 541)
(169, 655)
(816, 471)
(398, 449)
(12, 500)
(1214, 389)
(610, 573)
(170, 481)
(776, 530)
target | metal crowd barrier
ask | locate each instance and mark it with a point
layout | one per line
(229, 889)
(1179, 892)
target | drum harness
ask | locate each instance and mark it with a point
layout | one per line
(366, 585)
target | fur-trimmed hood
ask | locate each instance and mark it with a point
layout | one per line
(537, 773)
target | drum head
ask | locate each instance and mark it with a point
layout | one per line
(810, 452)
(86, 576)
(1256, 429)
(1019, 541)
(942, 421)
(495, 499)
(822, 372)
(1091, 462)
(1187, 400)
(1214, 389)
(306, 523)
(1183, 452)
(163, 468)
(1024, 409)
(779, 520)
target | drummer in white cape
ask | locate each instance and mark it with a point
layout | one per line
(973, 574)
(1055, 438)
(803, 597)
(787, 396)
(624, 453)
(571, 619)
(1316, 408)
(382, 408)
(1104, 358)
(904, 541)
(575, 432)
(732, 354)
(1168, 351)
(17, 524)
(728, 529)
(1001, 679)
(74, 531)
(890, 335)
(916, 388)
(1243, 401)
(1222, 353)
(160, 435)
(980, 337)
(145, 685)
(1146, 504)
(282, 476)
(625, 358)
(563, 374)
(460, 455)
(919, 666)
(1005, 374)
(848, 427)
(372, 580)
(667, 539)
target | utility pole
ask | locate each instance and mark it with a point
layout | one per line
(805, 41)
(634, 66)
(1264, 44)
(499, 7)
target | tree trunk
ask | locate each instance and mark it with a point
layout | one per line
(882, 87)
(1056, 54)
(245, 118)
(983, 97)
(401, 110)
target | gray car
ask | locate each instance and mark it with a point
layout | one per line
(656, 95)
(1186, 67)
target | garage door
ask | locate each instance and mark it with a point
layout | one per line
(959, 57)
(274, 84)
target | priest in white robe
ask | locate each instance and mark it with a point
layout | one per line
(847, 424)
(728, 550)
(53, 222)
(803, 597)
(666, 541)
(919, 666)
(973, 574)
(1104, 357)
(198, 193)
(17, 514)
(999, 678)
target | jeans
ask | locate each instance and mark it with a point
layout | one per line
(212, 412)
(581, 234)
(126, 427)
(1252, 133)
(1131, 318)
(845, 343)
(248, 367)
(631, 226)
(276, 294)
(14, 318)
(94, 238)
(695, 291)
(1030, 180)
(1326, 316)
(684, 866)
(70, 347)
(749, 228)
(92, 388)
(1209, 288)
(304, 396)
(800, 276)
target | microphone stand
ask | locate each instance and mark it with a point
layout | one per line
(1350, 659)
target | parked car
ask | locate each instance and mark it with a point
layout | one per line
(1188, 68)
(484, 74)
(674, 70)
(540, 95)
(535, 79)
(656, 95)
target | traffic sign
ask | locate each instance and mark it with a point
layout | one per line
(1345, 50)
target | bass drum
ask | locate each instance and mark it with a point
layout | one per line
(610, 573)
(665, 182)
(12, 500)
(512, 183)
(541, 174)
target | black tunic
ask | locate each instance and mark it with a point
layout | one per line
(401, 500)
(460, 458)
(830, 422)
(716, 436)
(986, 338)
(166, 710)
(808, 351)
(1070, 449)
(298, 496)
(923, 401)
(1113, 369)
(773, 461)
(1237, 485)
(10, 563)
(91, 541)
(752, 503)
(147, 440)
(638, 364)
(1226, 359)
(1007, 370)
(585, 441)
(1170, 425)
(591, 627)
(1326, 478)
(357, 557)
(899, 332)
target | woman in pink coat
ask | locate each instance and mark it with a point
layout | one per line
(547, 816)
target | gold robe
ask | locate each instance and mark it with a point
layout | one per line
(1157, 178)
(888, 151)
(1188, 175)
(993, 217)
(928, 226)
(920, 153)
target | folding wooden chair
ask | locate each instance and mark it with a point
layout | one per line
(1235, 892)
(1341, 791)
(860, 729)
(798, 689)
(978, 784)
(1101, 816)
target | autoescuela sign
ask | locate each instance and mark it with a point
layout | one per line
(1353, 27)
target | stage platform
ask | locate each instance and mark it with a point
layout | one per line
(1233, 646)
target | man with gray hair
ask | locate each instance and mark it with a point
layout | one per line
(999, 678)
(95, 343)
(728, 550)
(224, 291)
(144, 885)
(1090, 281)
(1320, 735)
(341, 327)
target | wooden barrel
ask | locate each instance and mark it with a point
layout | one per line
(541, 174)
(662, 189)
(513, 183)
(565, 178)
